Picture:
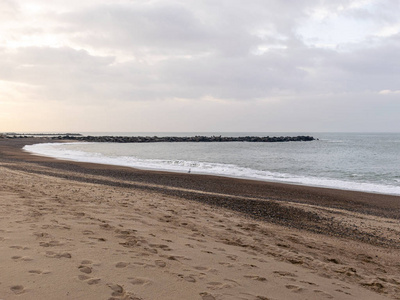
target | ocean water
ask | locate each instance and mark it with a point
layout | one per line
(367, 162)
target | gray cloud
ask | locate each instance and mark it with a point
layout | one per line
(145, 29)
(249, 57)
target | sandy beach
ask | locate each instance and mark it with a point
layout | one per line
(85, 231)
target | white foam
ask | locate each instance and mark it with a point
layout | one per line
(56, 150)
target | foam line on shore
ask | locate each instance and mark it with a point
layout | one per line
(217, 169)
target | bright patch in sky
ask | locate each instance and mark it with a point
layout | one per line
(389, 92)
(341, 26)
(335, 31)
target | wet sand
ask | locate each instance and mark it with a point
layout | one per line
(89, 231)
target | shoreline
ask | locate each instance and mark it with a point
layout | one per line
(220, 191)
(74, 230)
(154, 169)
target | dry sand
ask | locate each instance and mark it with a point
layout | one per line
(83, 231)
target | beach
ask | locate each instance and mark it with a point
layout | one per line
(74, 230)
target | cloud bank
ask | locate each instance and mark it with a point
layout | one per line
(202, 66)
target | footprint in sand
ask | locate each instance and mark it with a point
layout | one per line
(250, 266)
(140, 281)
(310, 283)
(207, 296)
(87, 232)
(322, 293)
(285, 273)
(86, 262)
(50, 244)
(263, 298)
(106, 226)
(189, 278)
(83, 277)
(39, 272)
(23, 258)
(89, 280)
(228, 265)
(160, 263)
(161, 246)
(52, 254)
(16, 247)
(93, 281)
(232, 257)
(121, 264)
(117, 289)
(341, 291)
(294, 288)
(85, 269)
(256, 277)
(214, 285)
(42, 234)
(172, 257)
(17, 289)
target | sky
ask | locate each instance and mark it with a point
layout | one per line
(200, 66)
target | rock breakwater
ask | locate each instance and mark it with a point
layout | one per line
(168, 139)
(156, 139)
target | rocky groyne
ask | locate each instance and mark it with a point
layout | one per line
(167, 139)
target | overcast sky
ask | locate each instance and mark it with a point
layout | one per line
(212, 65)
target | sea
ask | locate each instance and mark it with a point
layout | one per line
(368, 162)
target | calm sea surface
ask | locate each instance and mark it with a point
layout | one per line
(354, 161)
